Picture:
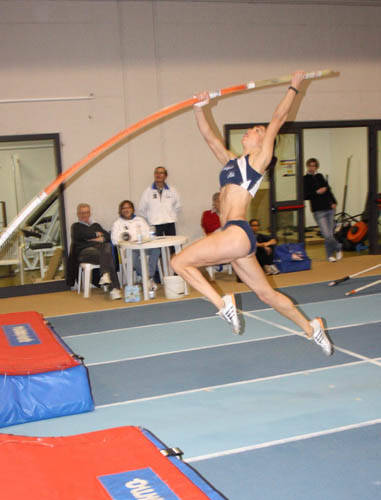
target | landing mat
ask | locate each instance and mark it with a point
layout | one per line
(123, 463)
(39, 375)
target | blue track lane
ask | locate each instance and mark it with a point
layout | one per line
(154, 376)
(177, 370)
(344, 465)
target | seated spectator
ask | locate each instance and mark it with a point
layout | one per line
(91, 243)
(210, 219)
(131, 227)
(265, 249)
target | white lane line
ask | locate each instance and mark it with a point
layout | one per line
(135, 304)
(358, 356)
(301, 334)
(223, 344)
(128, 329)
(339, 299)
(189, 349)
(273, 323)
(278, 442)
(231, 384)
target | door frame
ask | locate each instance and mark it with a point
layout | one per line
(297, 128)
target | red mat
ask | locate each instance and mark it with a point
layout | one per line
(121, 464)
(39, 375)
(28, 345)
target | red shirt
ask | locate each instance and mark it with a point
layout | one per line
(210, 221)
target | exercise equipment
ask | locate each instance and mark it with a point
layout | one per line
(116, 140)
(343, 216)
(357, 232)
(40, 377)
(345, 278)
(117, 464)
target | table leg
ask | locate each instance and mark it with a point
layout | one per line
(164, 258)
(145, 277)
(129, 267)
(170, 270)
(178, 249)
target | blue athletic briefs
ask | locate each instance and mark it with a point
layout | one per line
(243, 224)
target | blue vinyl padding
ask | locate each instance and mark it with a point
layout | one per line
(25, 398)
(172, 373)
(342, 465)
(187, 470)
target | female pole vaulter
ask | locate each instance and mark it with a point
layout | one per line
(235, 243)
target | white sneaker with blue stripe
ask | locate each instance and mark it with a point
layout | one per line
(229, 314)
(320, 337)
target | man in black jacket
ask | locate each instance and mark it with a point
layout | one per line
(323, 204)
(265, 248)
(91, 243)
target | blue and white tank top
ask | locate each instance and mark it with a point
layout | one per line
(238, 171)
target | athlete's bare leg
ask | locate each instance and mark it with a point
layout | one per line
(251, 273)
(218, 248)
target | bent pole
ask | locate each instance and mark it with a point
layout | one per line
(107, 146)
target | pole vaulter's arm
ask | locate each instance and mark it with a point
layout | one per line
(107, 146)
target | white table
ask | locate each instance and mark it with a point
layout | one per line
(162, 242)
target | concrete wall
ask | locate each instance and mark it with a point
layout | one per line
(137, 57)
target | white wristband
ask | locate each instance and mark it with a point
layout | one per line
(200, 104)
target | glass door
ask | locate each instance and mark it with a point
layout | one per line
(378, 226)
(374, 196)
(286, 195)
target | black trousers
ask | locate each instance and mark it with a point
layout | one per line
(263, 257)
(168, 229)
(101, 254)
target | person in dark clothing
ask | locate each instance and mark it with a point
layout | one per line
(323, 205)
(91, 243)
(265, 248)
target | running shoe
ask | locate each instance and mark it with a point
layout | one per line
(339, 255)
(267, 269)
(152, 285)
(274, 269)
(105, 279)
(331, 259)
(320, 337)
(115, 294)
(229, 314)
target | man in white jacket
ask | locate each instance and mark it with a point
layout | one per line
(160, 204)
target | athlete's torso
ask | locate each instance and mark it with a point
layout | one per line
(239, 172)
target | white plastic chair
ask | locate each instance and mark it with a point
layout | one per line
(86, 269)
(11, 255)
(211, 270)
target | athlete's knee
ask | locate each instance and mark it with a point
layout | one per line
(176, 263)
(269, 296)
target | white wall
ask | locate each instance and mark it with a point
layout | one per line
(137, 57)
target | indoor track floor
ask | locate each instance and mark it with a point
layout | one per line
(261, 416)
